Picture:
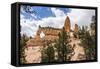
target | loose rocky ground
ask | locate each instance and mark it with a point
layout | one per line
(78, 50)
(33, 54)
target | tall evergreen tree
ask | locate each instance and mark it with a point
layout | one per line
(48, 52)
(62, 46)
(88, 42)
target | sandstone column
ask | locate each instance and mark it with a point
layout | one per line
(67, 25)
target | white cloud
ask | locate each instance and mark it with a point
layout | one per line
(57, 12)
(56, 22)
(28, 27)
(81, 16)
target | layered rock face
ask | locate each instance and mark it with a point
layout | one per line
(49, 32)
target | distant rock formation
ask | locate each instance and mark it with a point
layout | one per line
(76, 28)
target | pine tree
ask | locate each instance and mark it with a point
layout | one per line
(88, 42)
(62, 46)
(48, 52)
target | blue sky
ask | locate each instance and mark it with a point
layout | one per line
(53, 17)
(41, 12)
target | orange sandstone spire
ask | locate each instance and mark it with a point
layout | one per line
(67, 25)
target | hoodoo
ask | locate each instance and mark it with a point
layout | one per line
(67, 25)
